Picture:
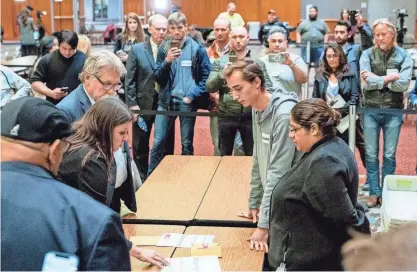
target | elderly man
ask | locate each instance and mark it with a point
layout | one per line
(231, 15)
(100, 77)
(386, 72)
(66, 221)
(142, 91)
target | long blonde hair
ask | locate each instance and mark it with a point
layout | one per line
(139, 35)
(84, 44)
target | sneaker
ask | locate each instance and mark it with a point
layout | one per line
(365, 187)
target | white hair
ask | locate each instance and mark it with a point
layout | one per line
(99, 60)
(156, 17)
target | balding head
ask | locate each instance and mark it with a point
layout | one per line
(158, 26)
(239, 30)
(231, 8)
(221, 29)
(239, 38)
(157, 18)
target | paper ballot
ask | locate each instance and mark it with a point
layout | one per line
(389, 72)
(344, 124)
(193, 264)
(184, 240)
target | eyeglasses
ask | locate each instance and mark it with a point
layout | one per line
(109, 87)
(332, 56)
(294, 130)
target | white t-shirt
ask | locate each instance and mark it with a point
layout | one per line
(121, 164)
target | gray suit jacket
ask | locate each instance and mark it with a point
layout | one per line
(139, 80)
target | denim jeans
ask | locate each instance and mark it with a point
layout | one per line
(214, 132)
(391, 127)
(163, 125)
(315, 53)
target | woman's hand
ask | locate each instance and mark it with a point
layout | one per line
(148, 256)
(251, 214)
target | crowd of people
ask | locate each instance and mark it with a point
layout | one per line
(304, 180)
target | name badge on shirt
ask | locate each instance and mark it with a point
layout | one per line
(186, 63)
(265, 138)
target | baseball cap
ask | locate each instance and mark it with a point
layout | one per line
(271, 11)
(33, 120)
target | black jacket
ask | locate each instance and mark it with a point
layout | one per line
(139, 80)
(349, 88)
(313, 206)
(96, 179)
(263, 33)
(40, 214)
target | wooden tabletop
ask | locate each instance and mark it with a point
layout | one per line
(228, 192)
(236, 254)
(150, 230)
(26, 61)
(175, 189)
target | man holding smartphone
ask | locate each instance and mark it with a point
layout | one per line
(287, 71)
(182, 68)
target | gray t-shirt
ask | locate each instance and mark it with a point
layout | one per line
(313, 31)
(282, 76)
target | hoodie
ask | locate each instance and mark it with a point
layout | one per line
(274, 153)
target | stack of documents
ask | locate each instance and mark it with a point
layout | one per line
(193, 264)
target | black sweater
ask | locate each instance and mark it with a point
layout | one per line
(57, 71)
(312, 208)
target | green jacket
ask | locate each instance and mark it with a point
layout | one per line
(376, 94)
(216, 82)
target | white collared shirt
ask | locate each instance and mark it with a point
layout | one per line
(154, 49)
(89, 97)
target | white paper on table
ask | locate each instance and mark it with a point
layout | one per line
(170, 240)
(194, 264)
(184, 240)
(338, 101)
(344, 124)
(190, 240)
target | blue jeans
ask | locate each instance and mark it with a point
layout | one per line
(315, 54)
(391, 127)
(163, 125)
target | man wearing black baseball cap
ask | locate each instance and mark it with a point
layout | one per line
(272, 21)
(42, 215)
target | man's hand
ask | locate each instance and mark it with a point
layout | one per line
(187, 100)
(393, 77)
(123, 58)
(288, 60)
(135, 116)
(173, 54)
(259, 240)
(251, 214)
(135, 107)
(359, 20)
(148, 256)
(57, 94)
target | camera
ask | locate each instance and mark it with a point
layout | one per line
(277, 58)
(39, 13)
(401, 29)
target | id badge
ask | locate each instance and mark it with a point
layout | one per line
(224, 60)
(186, 63)
(281, 268)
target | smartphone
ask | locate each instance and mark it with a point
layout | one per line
(58, 261)
(276, 58)
(175, 44)
(352, 15)
(64, 89)
(232, 56)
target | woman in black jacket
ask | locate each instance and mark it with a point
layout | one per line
(132, 33)
(315, 203)
(89, 164)
(336, 83)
